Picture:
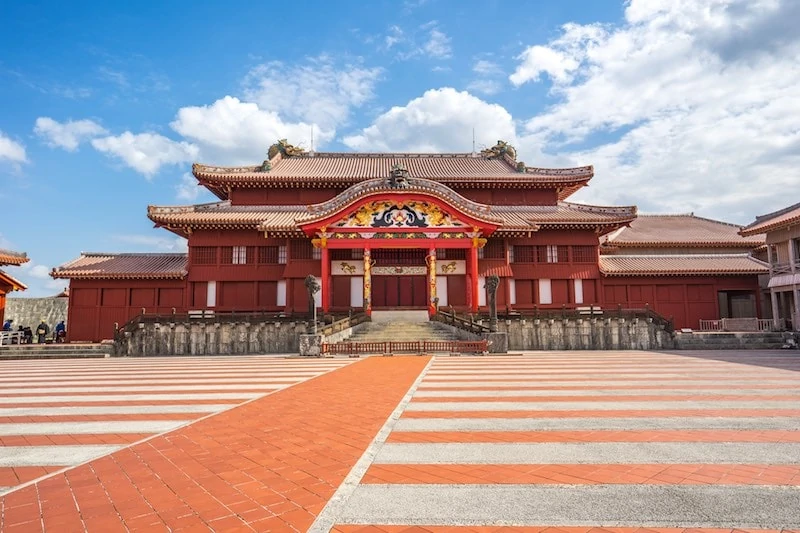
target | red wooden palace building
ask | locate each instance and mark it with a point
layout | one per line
(381, 231)
(7, 282)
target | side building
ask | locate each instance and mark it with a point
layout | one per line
(683, 266)
(377, 231)
(781, 229)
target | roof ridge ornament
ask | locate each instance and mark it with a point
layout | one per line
(398, 177)
(500, 149)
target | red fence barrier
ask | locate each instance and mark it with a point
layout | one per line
(415, 347)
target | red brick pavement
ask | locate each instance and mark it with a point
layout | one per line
(269, 465)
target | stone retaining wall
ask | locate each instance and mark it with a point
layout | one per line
(586, 334)
(30, 311)
(236, 338)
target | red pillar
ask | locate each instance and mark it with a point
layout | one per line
(326, 280)
(473, 275)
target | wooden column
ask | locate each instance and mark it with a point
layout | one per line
(431, 260)
(776, 314)
(367, 281)
(473, 275)
(326, 280)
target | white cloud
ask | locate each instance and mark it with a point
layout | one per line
(320, 92)
(188, 189)
(485, 67)
(230, 131)
(67, 135)
(11, 150)
(438, 45)
(154, 243)
(146, 152)
(395, 36)
(485, 86)
(441, 120)
(684, 106)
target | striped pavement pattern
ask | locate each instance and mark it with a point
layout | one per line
(577, 440)
(60, 413)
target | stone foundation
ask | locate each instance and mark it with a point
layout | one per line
(236, 338)
(586, 334)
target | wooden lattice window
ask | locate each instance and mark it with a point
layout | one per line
(268, 255)
(494, 249)
(302, 249)
(584, 254)
(204, 255)
(524, 254)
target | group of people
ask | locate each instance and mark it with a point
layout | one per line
(42, 330)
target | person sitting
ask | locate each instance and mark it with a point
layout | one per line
(60, 332)
(7, 324)
(41, 332)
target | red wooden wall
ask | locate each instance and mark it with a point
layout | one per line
(95, 305)
(686, 299)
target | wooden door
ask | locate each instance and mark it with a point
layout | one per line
(406, 291)
(378, 291)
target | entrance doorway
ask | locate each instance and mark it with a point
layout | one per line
(399, 291)
(399, 288)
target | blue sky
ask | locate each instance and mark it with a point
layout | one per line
(681, 105)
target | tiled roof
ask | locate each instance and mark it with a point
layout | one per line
(565, 214)
(772, 221)
(275, 217)
(124, 266)
(7, 257)
(16, 285)
(465, 170)
(283, 218)
(678, 231)
(680, 265)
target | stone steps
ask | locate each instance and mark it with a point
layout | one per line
(730, 341)
(403, 331)
(55, 351)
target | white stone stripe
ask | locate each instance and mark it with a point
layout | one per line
(478, 383)
(591, 453)
(155, 375)
(577, 424)
(15, 456)
(662, 506)
(170, 381)
(603, 392)
(171, 370)
(584, 375)
(609, 405)
(91, 428)
(113, 410)
(129, 397)
(143, 388)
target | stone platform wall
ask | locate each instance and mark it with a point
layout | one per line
(586, 334)
(236, 338)
(30, 311)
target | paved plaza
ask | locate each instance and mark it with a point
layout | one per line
(558, 441)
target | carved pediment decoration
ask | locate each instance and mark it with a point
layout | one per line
(400, 214)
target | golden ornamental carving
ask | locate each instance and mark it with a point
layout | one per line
(408, 213)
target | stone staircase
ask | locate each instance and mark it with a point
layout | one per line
(765, 340)
(55, 351)
(405, 331)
